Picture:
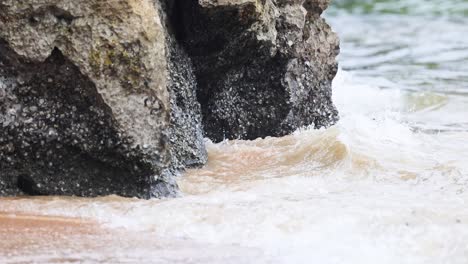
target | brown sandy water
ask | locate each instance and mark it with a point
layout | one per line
(320, 196)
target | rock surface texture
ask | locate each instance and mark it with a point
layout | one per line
(264, 67)
(103, 97)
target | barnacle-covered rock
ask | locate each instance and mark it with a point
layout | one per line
(264, 67)
(87, 97)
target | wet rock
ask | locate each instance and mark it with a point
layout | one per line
(186, 131)
(264, 68)
(87, 93)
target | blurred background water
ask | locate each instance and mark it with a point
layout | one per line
(418, 47)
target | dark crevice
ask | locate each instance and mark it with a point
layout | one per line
(177, 20)
(60, 14)
(27, 185)
(207, 32)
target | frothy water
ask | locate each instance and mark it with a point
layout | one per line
(387, 184)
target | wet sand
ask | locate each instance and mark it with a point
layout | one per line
(49, 239)
(23, 236)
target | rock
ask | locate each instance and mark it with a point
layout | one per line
(186, 131)
(264, 68)
(88, 92)
(102, 97)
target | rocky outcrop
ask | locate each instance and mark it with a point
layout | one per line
(90, 100)
(264, 68)
(105, 97)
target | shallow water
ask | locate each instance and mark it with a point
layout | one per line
(387, 184)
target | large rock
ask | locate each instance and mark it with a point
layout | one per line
(103, 97)
(89, 101)
(264, 67)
